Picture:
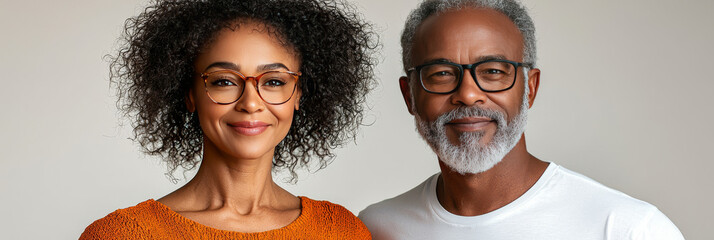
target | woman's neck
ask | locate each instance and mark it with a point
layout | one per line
(226, 183)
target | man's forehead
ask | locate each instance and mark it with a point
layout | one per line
(467, 34)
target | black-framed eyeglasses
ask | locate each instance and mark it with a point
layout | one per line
(444, 77)
(227, 86)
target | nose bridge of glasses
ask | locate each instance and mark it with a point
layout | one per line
(468, 91)
(250, 96)
(469, 80)
(247, 90)
(252, 79)
(468, 76)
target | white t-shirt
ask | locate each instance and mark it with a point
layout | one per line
(562, 204)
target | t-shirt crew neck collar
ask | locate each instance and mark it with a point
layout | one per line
(495, 215)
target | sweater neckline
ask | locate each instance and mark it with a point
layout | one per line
(306, 212)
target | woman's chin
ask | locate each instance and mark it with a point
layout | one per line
(252, 151)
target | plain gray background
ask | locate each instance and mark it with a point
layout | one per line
(624, 99)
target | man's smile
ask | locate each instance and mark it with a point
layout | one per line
(470, 124)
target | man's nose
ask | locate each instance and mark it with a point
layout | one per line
(468, 92)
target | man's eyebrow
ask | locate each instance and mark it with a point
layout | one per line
(224, 65)
(435, 60)
(491, 57)
(479, 59)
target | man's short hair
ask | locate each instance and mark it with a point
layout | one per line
(511, 8)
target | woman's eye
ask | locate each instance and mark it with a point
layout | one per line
(222, 83)
(274, 83)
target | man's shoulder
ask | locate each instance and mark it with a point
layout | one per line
(598, 201)
(409, 206)
(572, 184)
(622, 214)
(404, 201)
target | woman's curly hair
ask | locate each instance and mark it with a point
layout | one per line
(154, 69)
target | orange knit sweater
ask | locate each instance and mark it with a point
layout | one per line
(153, 220)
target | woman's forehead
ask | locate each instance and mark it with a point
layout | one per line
(247, 47)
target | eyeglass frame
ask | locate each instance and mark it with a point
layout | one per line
(471, 67)
(205, 75)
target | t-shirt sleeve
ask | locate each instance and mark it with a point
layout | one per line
(114, 226)
(657, 227)
(372, 220)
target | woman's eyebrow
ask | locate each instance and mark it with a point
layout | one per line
(271, 66)
(233, 66)
(225, 65)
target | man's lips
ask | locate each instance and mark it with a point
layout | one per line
(249, 128)
(470, 124)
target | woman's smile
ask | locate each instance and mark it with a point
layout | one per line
(249, 128)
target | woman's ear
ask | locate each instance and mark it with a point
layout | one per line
(190, 101)
(297, 96)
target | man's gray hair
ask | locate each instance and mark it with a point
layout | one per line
(511, 8)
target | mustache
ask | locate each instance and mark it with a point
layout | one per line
(471, 111)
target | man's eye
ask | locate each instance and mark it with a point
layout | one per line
(493, 71)
(442, 74)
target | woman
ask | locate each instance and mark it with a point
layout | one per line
(243, 87)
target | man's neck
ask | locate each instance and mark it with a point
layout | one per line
(477, 194)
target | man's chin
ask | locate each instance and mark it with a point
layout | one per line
(475, 141)
(470, 166)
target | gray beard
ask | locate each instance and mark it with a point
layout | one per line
(470, 156)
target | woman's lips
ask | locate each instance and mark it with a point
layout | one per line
(470, 124)
(249, 128)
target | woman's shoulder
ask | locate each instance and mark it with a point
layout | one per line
(333, 218)
(128, 223)
(325, 209)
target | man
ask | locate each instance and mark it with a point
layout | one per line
(470, 82)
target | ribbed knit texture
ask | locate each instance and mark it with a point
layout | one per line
(153, 220)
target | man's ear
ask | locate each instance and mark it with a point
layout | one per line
(190, 101)
(533, 83)
(406, 93)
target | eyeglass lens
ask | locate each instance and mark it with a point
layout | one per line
(490, 76)
(273, 87)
